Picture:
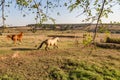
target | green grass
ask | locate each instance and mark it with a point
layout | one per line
(73, 70)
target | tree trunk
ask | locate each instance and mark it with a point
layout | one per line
(99, 16)
(3, 17)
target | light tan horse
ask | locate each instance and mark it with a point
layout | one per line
(50, 42)
(16, 37)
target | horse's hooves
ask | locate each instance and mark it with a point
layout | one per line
(19, 43)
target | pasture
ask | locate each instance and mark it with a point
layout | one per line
(71, 61)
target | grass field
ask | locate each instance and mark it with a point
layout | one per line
(68, 62)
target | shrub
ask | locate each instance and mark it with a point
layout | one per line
(58, 74)
(84, 74)
(73, 70)
(87, 39)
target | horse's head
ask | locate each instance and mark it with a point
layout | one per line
(21, 33)
(58, 39)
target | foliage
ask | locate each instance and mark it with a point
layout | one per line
(102, 29)
(73, 70)
(92, 8)
(87, 39)
(10, 77)
(42, 8)
(58, 74)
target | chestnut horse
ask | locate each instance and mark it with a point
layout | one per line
(16, 37)
(49, 42)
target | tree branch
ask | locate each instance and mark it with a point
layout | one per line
(99, 16)
(2, 2)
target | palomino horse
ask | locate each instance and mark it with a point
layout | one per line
(49, 42)
(16, 37)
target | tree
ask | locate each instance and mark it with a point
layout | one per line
(38, 7)
(3, 17)
(94, 10)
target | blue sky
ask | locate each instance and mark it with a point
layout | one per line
(16, 19)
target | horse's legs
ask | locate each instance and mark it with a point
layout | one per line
(14, 41)
(20, 40)
(55, 46)
(46, 48)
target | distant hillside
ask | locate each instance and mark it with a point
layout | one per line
(114, 28)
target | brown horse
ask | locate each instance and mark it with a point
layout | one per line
(16, 37)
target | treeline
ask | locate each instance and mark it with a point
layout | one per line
(113, 28)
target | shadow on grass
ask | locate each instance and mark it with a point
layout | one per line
(23, 49)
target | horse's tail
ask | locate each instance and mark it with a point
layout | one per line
(41, 44)
(9, 36)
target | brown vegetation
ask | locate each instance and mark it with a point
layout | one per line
(68, 62)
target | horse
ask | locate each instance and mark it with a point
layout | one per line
(49, 42)
(16, 37)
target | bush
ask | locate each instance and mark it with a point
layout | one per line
(58, 74)
(84, 74)
(73, 70)
(87, 39)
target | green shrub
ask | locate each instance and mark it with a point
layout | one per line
(74, 70)
(58, 74)
(87, 39)
(109, 78)
(84, 74)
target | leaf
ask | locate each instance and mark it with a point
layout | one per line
(24, 15)
(53, 20)
(72, 7)
(65, 4)
(58, 13)
(96, 1)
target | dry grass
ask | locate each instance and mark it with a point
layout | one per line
(68, 62)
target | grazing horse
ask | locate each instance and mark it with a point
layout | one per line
(16, 37)
(49, 42)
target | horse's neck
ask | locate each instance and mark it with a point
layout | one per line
(56, 39)
(20, 34)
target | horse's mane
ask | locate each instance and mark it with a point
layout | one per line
(55, 37)
(20, 34)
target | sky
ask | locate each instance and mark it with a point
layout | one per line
(15, 16)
